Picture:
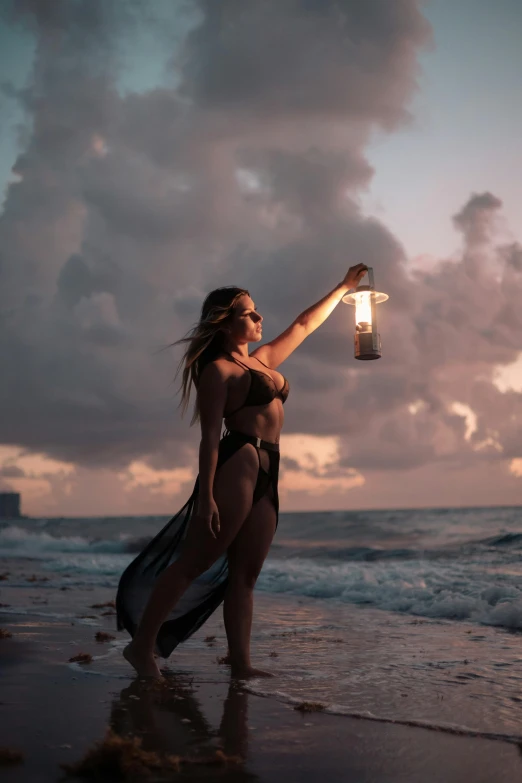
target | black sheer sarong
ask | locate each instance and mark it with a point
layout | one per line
(205, 593)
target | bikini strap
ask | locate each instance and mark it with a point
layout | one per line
(238, 361)
(264, 365)
(246, 366)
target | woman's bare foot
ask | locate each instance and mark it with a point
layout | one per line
(244, 673)
(145, 666)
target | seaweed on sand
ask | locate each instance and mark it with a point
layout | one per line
(309, 706)
(81, 658)
(122, 758)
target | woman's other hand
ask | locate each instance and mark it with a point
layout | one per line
(208, 512)
(354, 274)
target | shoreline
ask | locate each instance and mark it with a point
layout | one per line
(54, 711)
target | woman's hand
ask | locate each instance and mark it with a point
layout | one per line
(354, 274)
(208, 512)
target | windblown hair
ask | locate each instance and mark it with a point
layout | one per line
(205, 341)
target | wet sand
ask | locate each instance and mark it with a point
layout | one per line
(54, 711)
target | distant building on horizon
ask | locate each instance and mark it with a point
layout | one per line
(10, 505)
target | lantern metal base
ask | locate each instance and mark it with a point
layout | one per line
(367, 346)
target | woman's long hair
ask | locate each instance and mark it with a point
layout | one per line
(205, 341)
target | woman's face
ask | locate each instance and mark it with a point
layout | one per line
(247, 321)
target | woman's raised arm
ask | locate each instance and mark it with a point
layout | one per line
(280, 348)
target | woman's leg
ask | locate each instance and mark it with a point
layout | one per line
(246, 556)
(233, 492)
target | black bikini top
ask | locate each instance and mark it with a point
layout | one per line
(262, 388)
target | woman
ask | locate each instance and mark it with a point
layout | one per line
(213, 549)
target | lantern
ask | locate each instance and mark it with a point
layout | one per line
(366, 298)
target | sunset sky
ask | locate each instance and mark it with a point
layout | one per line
(150, 152)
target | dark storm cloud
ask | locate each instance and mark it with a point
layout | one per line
(11, 471)
(444, 331)
(130, 208)
(475, 220)
(73, 296)
(56, 15)
(288, 57)
(309, 184)
(512, 254)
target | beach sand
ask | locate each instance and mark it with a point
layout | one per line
(54, 711)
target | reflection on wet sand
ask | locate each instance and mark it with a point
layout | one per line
(168, 718)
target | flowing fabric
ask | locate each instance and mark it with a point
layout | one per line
(205, 593)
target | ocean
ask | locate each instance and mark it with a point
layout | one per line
(402, 615)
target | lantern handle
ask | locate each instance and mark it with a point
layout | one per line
(377, 296)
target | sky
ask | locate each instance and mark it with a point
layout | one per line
(152, 152)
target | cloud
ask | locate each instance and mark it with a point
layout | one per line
(35, 476)
(311, 465)
(11, 471)
(319, 58)
(476, 218)
(244, 167)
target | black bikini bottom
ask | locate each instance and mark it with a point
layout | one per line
(205, 593)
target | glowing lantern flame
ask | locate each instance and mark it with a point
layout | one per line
(365, 298)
